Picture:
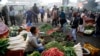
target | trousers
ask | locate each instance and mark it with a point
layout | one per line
(73, 32)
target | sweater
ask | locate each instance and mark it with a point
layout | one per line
(32, 42)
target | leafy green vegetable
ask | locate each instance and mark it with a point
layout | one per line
(69, 51)
(3, 45)
(25, 36)
(89, 28)
(54, 44)
(45, 27)
(59, 36)
(35, 53)
(14, 30)
(69, 44)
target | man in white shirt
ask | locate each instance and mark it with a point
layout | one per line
(12, 15)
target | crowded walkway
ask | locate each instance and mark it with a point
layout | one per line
(38, 25)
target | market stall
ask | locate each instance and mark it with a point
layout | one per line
(56, 43)
(88, 25)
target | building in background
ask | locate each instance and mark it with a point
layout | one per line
(65, 2)
(90, 5)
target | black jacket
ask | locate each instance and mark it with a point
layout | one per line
(74, 23)
(0, 14)
(80, 21)
(98, 21)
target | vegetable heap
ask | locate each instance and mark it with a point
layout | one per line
(59, 36)
(14, 28)
(14, 31)
(52, 52)
(45, 27)
(69, 51)
(25, 36)
(3, 45)
(89, 29)
(54, 44)
(35, 53)
(69, 44)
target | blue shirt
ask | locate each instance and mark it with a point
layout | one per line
(29, 14)
(42, 11)
(62, 15)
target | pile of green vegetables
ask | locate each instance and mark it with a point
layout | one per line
(89, 28)
(15, 28)
(45, 27)
(69, 44)
(58, 36)
(14, 31)
(25, 36)
(54, 44)
(35, 53)
(69, 51)
(3, 45)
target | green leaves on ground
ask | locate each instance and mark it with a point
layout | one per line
(45, 27)
(35, 53)
(54, 44)
(3, 45)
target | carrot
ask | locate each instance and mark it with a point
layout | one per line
(52, 52)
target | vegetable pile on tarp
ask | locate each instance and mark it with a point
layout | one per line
(58, 36)
(14, 27)
(69, 44)
(3, 45)
(14, 31)
(54, 44)
(35, 53)
(69, 51)
(52, 52)
(45, 27)
(89, 29)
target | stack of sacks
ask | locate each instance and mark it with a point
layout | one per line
(17, 43)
